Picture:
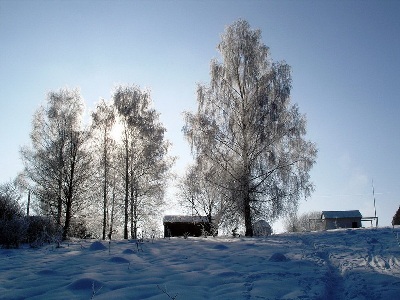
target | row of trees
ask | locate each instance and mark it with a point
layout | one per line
(251, 158)
(71, 166)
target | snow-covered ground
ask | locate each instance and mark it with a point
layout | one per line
(340, 264)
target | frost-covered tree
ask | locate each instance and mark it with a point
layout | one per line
(199, 196)
(396, 218)
(309, 221)
(103, 120)
(144, 152)
(247, 130)
(59, 161)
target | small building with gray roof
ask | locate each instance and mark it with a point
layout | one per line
(341, 219)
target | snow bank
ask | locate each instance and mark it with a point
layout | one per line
(339, 264)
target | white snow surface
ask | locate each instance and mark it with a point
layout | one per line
(338, 264)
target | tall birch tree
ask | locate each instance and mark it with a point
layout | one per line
(103, 120)
(246, 128)
(145, 149)
(59, 162)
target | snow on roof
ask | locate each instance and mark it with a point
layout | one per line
(185, 219)
(338, 214)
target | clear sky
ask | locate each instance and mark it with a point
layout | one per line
(345, 59)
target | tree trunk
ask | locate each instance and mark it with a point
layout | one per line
(67, 221)
(105, 187)
(246, 164)
(133, 211)
(112, 211)
(60, 185)
(135, 214)
(131, 215)
(134, 229)
(68, 206)
(70, 192)
(248, 223)
(247, 217)
(59, 202)
(126, 190)
(29, 203)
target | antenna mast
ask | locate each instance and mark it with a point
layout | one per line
(373, 194)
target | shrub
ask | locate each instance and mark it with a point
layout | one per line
(12, 224)
(9, 206)
(13, 232)
(42, 230)
(79, 229)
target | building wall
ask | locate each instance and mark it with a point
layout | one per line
(180, 229)
(342, 223)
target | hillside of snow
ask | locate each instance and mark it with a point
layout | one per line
(339, 264)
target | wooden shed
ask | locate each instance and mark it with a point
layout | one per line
(185, 225)
(341, 219)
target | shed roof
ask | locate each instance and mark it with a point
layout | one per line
(339, 214)
(185, 219)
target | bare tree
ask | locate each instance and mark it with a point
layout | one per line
(246, 129)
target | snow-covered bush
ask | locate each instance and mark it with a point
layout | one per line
(9, 206)
(12, 224)
(33, 230)
(79, 229)
(261, 228)
(42, 230)
(308, 221)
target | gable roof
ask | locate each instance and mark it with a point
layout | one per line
(339, 214)
(185, 219)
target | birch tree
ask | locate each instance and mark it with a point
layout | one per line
(246, 128)
(103, 120)
(145, 149)
(59, 162)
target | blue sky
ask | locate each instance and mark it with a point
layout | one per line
(344, 57)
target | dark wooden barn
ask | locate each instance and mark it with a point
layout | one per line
(341, 219)
(185, 225)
